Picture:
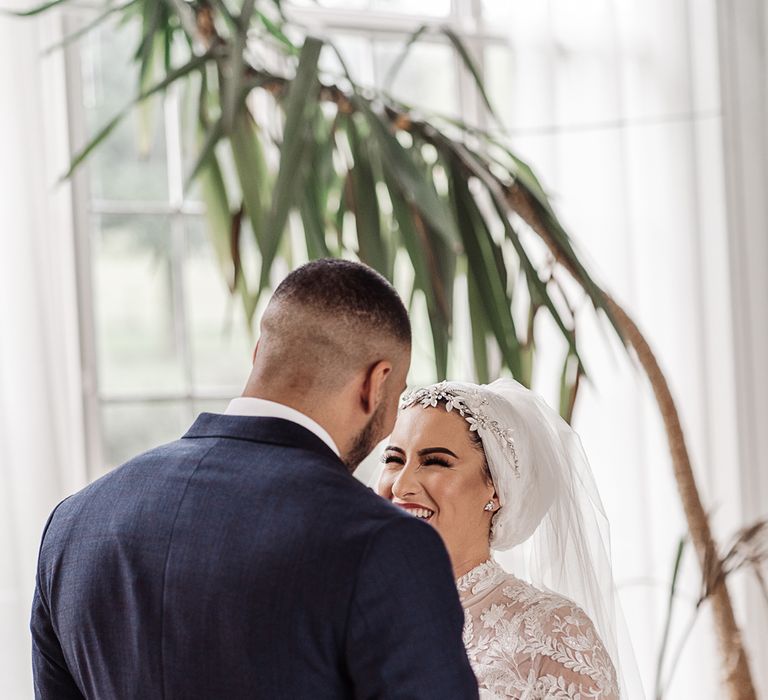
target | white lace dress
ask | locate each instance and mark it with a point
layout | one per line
(530, 645)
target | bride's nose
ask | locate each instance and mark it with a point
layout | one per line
(406, 483)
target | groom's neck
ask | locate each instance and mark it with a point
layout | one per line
(326, 411)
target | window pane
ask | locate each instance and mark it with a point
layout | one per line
(345, 4)
(520, 85)
(356, 51)
(220, 343)
(499, 13)
(138, 346)
(130, 162)
(427, 78)
(436, 8)
(424, 7)
(132, 428)
(499, 82)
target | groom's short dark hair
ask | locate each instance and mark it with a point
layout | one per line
(349, 288)
(329, 319)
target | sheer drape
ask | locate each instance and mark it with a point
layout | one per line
(41, 435)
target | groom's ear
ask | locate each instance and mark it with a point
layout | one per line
(373, 388)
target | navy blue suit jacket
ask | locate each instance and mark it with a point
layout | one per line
(243, 561)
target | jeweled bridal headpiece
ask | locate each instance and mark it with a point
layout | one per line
(521, 444)
(472, 405)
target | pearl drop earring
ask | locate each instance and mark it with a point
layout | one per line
(488, 506)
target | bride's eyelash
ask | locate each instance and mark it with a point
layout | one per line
(436, 460)
(427, 462)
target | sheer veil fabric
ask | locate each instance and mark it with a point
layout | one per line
(550, 530)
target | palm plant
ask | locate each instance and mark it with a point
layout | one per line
(368, 177)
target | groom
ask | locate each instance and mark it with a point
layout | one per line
(244, 560)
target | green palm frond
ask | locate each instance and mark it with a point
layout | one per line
(450, 214)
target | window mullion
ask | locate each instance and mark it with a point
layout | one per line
(83, 224)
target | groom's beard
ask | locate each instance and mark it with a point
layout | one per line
(365, 440)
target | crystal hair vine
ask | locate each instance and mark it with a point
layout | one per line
(470, 404)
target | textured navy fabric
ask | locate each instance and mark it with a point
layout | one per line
(243, 561)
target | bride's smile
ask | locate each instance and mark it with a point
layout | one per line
(416, 509)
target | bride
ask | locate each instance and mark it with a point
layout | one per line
(493, 468)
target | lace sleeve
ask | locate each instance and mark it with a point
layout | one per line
(526, 643)
(571, 661)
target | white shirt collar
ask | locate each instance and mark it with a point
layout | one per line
(251, 406)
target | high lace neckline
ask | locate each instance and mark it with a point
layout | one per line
(487, 571)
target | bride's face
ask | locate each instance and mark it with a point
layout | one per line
(435, 471)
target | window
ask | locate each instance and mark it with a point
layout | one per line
(165, 338)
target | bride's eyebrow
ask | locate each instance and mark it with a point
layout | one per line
(433, 450)
(424, 452)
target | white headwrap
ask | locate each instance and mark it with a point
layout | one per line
(519, 446)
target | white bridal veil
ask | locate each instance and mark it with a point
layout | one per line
(551, 529)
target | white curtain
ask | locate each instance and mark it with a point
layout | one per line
(41, 430)
(635, 100)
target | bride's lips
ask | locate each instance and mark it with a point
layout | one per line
(416, 509)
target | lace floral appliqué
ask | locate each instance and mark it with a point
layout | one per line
(526, 644)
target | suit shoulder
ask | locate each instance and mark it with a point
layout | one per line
(111, 484)
(378, 509)
(402, 532)
(358, 512)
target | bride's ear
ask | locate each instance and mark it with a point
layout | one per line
(373, 388)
